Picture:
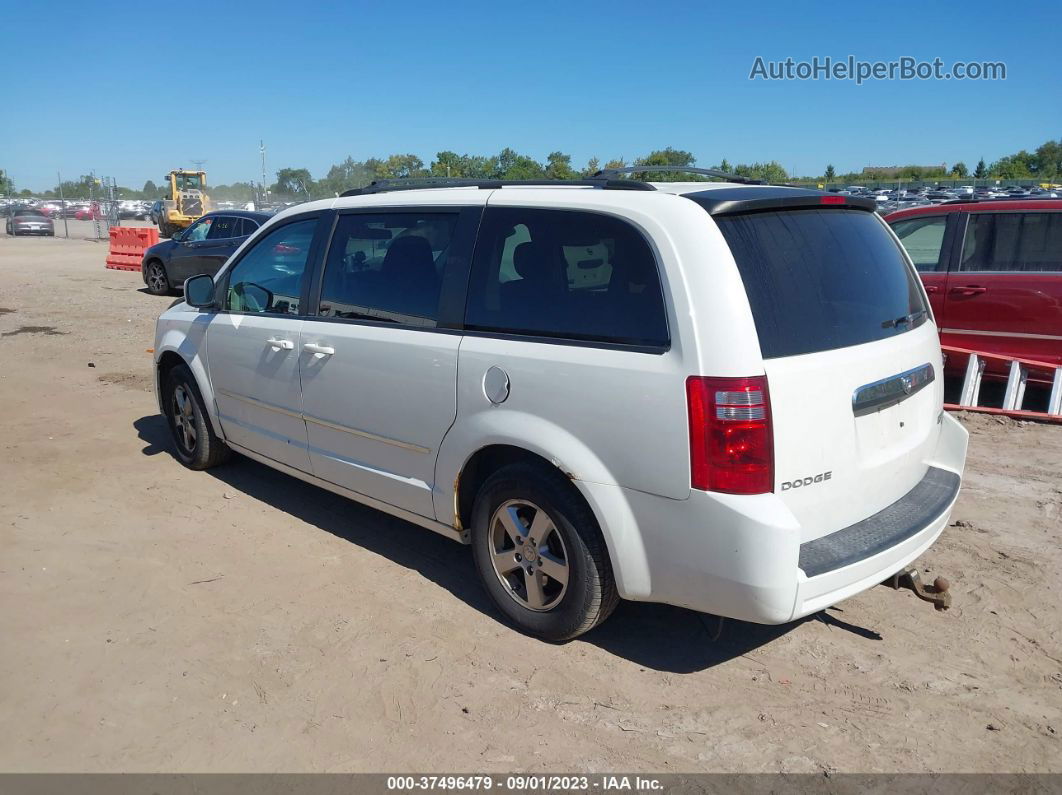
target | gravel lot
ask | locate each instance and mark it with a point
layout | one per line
(154, 618)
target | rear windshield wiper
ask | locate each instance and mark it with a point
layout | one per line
(904, 319)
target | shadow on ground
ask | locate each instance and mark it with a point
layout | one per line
(658, 637)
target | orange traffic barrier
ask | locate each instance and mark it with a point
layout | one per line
(128, 244)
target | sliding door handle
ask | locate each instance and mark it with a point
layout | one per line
(318, 350)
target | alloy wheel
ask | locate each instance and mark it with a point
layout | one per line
(184, 419)
(528, 555)
(156, 277)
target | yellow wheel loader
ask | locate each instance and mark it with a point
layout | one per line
(186, 201)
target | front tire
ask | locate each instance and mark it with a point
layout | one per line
(158, 283)
(540, 553)
(198, 447)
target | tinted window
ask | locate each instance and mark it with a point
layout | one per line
(387, 267)
(922, 237)
(198, 231)
(246, 227)
(1013, 242)
(269, 277)
(822, 279)
(224, 227)
(560, 273)
(27, 211)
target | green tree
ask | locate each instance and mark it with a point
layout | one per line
(768, 172)
(403, 167)
(344, 176)
(511, 165)
(84, 188)
(830, 173)
(617, 163)
(447, 164)
(981, 171)
(7, 185)
(959, 170)
(559, 166)
(591, 167)
(665, 157)
(150, 190)
(292, 182)
(725, 166)
(1049, 160)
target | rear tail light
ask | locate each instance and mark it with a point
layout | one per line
(731, 444)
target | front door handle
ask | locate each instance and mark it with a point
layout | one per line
(969, 289)
(932, 288)
(318, 350)
(278, 345)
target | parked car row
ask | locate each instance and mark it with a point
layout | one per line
(81, 209)
(891, 200)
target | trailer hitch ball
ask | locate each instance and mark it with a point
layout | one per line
(937, 594)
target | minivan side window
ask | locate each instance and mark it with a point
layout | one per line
(922, 237)
(565, 274)
(268, 278)
(387, 267)
(1029, 242)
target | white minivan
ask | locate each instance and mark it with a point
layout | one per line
(716, 395)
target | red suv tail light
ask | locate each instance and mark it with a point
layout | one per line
(731, 444)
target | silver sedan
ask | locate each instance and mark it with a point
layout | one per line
(27, 221)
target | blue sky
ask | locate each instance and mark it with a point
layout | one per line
(133, 90)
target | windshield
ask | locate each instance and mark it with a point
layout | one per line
(189, 182)
(822, 279)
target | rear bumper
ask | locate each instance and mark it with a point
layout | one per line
(741, 557)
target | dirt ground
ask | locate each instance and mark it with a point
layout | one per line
(157, 619)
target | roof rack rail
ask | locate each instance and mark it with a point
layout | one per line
(416, 183)
(606, 173)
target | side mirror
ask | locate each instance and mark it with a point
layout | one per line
(199, 291)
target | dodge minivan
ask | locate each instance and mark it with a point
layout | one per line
(717, 395)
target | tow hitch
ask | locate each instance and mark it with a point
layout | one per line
(937, 593)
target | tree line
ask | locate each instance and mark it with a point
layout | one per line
(299, 183)
(1043, 165)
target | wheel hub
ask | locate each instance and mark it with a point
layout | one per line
(184, 421)
(528, 555)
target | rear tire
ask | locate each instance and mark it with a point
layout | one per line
(197, 446)
(156, 278)
(540, 553)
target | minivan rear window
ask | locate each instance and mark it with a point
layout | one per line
(820, 279)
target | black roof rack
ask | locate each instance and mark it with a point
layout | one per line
(707, 172)
(416, 183)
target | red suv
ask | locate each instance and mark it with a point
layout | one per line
(993, 272)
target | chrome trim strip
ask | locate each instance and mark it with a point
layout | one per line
(258, 403)
(892, 390)
(977, 333)
(416, 448)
